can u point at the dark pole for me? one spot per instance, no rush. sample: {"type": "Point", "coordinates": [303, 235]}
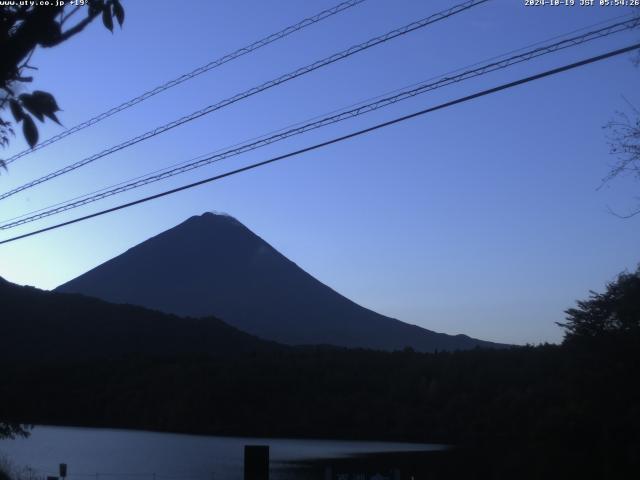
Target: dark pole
{"type": "Point", "coordinates": [256, 462]}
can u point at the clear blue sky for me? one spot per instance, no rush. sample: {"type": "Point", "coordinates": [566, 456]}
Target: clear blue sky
{"type": "Point", "coordinates": [481, 219]}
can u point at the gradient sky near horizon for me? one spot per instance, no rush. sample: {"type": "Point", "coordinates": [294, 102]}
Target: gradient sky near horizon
{"type": "Point", "coordinates": [483, 219]}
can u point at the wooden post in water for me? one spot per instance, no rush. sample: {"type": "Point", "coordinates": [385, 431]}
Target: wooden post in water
{"type": "Point", "coordinates": [328, 473]}
{"type": "Point", "coordinates": [256, 462]}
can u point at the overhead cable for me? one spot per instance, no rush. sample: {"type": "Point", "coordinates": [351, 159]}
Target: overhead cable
{"type": "Point", "coordinates": [192, 74]}
{"type": "Point", "coordinates": [322, 122]}
{"type": "Point", "coordinates": [252, 91]}
{"type": "Point", "coordinates": [342, 138]}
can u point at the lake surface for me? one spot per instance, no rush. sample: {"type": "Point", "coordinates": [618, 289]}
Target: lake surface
{"type": "Point", "coordinates": [105, 454]}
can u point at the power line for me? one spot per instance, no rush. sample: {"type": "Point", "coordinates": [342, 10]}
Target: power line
{"type": "Point", "coordinates": [194, 73]}
{"type": "Point", "coordinates": [361, 102]}
{"type": "Point", "coordinates": [322, 122]}
{"type": "Point", "coordinates": [378, 126]}
{"type": "Point", "coordinates": [252, 91]}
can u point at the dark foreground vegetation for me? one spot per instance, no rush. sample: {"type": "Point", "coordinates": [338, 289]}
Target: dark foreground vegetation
{"type": "Point", "coordinates": [538, 412]}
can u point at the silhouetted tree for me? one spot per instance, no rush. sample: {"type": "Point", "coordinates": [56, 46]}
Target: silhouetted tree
{"type": "Point", "coordinates": [624, 142]}
{"type": "Point", "coordinates": [13, 430]}
{"type": "Point", "coordinates": [23, 28]}
{"type": "Point", "coordinates": [616, 311]}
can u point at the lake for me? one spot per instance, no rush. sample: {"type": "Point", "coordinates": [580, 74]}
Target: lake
{"type": "Point", "coordinates": [106, 454]}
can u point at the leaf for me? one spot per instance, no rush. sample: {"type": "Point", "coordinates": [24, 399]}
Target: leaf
{"type": "Point", "coordinates": [47, 104]}
{"type": "Point", "coordinates": [118, 12]}
{"type": "Point", "coordinates": [41, 104]}
{"type": "Point", "coordinates": [106, 18]}
{"type": "Point", "coordinates": [49, 32]}
{"type": "Point", "coordinates": [32, 105]}
{"type": "Point", "coordinates": [95, 7]}
{"type": "Point", "coordinates": [47, 100]}
{"type": "Point", "coordinates": [16, 110]}
{"type": "Point", "coordinates": [30, 131]}
{"type": "Point", "coordinates": [53, 117]}
{"type": "Point", "coordinates": [4, 165]}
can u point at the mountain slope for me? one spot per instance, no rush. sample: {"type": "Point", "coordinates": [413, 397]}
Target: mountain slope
{"type": "Point", "coordinates": [37, 325]}
{"type": "Point", "coordinates": [213, 265]}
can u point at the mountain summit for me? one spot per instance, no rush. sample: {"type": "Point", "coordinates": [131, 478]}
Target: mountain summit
{"type": "Point", "coordinates": [213, 265]}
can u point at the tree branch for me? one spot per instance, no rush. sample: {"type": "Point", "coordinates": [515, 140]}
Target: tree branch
{"type": "Point", "coordinates": [77, 28]}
